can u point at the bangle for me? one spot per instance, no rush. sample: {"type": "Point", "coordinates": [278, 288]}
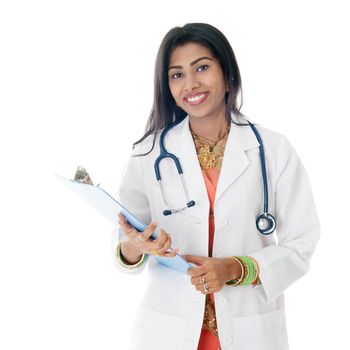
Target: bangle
{"type": "Point", "coordinates": [256, 265]}
{"type": "Point", "coordinates": [246, 269]}
{"type": "Point", "coordinates": [126, 264]}
{"type": "Point", "coordinates": [238, 280]}
{"type": "Point", "coordinates": [251, 270]}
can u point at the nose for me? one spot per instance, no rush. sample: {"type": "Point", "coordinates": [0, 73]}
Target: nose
{"type": "Point", "coordinates": [191, 82]}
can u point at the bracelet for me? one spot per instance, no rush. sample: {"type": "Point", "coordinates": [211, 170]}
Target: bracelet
{"type": "Point", "coordinates": [250, 272]}
{"type": "Point", "coordinates": [124, 263]}
{"type": "Point", "coordinates": [256, 279]}
{"type": "Point", "coordinates": [238, 280]}
{"type": "Point", "coordinates": [246, 269]}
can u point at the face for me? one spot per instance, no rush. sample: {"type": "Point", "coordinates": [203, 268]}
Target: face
{"type": "Point", "coordinates": [196, 81]}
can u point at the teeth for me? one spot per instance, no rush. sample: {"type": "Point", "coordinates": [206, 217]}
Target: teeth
{"type": "Point", "coordinates": [196, 98]}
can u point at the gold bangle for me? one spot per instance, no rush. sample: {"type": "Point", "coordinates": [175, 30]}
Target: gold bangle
{"type": "Point", "coordinates": [237, 281]}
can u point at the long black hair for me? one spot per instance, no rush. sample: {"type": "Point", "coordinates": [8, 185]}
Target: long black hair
{"type": "Point", "coordinates": [164, 110]}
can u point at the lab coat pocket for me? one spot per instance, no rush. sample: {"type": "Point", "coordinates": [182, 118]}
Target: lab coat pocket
{"type": "Point", "coordinates": [264, 331]}
{"type": "Point", "coordinates": [154, 330]}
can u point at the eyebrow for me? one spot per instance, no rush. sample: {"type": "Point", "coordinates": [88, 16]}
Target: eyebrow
{"type": "Point", "coordinates": [193, 63]}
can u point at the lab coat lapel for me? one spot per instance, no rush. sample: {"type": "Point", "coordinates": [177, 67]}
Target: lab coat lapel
{"type": "Point", "coordinates": [235, 161]}
{"type": "Point", "coordinates": [179, 142]}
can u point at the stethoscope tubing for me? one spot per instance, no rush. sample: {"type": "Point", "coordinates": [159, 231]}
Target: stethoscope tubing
{"type": "Point", "coordinates": [263, 167]}
{"type": "Point", "coordinates": [265, 223]}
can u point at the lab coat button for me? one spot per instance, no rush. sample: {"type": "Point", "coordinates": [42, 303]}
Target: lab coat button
{"type": "Point", "coordinates": [224, 300]}
{"type": "Point", "coordinates": [229, 340]}
{"type": "Point", "coordinates": [223, 222]}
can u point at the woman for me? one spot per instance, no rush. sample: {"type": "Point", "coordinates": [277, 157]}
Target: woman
{"type": "Point", "coordinates": [233, 296]}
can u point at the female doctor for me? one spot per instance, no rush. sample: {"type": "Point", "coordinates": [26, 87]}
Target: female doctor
{"type": "Point", "coordinates": [240, 209]}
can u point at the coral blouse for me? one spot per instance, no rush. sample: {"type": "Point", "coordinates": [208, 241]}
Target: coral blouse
{"type": "Point", "coordinates": [209, 338]}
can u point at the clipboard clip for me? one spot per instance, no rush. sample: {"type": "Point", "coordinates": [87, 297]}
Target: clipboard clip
{"type": "Point", "coordinates": [81, 175]}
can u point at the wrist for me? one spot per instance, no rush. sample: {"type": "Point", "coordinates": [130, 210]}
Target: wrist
{"type": "Point", "coordinates": [234, 269]}
{"type": "Point", "coordinates": [122, 261]}
{"type": "Point", "coordinates": [129, 254]}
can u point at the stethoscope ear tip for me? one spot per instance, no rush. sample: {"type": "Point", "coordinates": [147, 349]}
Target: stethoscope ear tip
{"type": "Point", "coordinates": [167, 212]}
{"type": "Point", "coordinates": [191, 204]}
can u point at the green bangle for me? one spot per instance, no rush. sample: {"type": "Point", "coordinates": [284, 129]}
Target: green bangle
{"type": "Point", "coordinates": [251, 270]}
{"type": "Point", "coordinates": [246, 271]}
{"type": "Point", "coordinates": [126, 264]}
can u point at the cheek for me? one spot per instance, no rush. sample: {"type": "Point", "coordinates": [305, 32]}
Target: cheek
{"type": "Point", "coordinates": [174, 90]}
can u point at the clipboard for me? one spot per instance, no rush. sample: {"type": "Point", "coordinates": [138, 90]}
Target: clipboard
{"type": "Point", "coordinates": [109, 207]}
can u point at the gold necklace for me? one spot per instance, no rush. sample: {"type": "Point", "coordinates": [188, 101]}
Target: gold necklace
{"type": "Point", "coordinates": [209, 154]}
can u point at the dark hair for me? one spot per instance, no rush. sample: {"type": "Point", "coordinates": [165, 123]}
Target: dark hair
{"type": "Point", "coordinates": [164, 110]}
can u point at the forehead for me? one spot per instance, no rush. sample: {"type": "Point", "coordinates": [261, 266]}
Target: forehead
{"type": "Point", "coordinates": [187, 53]}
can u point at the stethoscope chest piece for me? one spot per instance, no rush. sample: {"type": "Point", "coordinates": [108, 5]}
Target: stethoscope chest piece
{"type": "Point", "coordinates": [266, 223]}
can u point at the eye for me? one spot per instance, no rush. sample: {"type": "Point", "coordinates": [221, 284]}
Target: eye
{"type": "Point", "coordinates": [175, 76]}
{"type": "Point", "coordinates": [205, 67]}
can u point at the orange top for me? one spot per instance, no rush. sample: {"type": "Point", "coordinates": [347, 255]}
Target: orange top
{"type": "Point", "coordinates": [209, 339]}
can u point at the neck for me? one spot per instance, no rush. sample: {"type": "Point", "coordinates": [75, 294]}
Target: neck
{"type": "Point", "coordinates": [209, 128]}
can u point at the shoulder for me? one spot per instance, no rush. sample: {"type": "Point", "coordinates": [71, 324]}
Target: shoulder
{"type": "Point", "coordinates": [145, 145]}
{"type": "Point", "coordinates": [279, 150]}
{"type": "Point", "coordinates": [275, 141]}
{"type": "Point", "coordinates": [152, 140]}
{"type": "Point", "coordinates": [270, 137]}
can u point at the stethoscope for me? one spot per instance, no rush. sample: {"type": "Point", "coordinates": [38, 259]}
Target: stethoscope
{"type": "Point", "coordinates": [265, 223]}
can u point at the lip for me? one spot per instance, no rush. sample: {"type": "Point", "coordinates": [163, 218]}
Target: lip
{"type": "Point", "coordinates": [196, 102]}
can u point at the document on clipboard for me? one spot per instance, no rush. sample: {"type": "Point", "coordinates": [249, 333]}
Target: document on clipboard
{"type": "Point", "coordinates": [109, 207]}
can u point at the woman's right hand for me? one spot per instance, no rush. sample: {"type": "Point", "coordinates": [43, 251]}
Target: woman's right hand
{"type": "Point", "coordinates": [141, 241]}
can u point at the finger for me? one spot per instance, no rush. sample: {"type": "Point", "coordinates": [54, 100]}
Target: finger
{"type": "Point", "coordinates": [126, 227]}
{"type": "Point", "coordinates": [121, 217]}
{"type": "Point", "coordinates": [166, 246]}
{"type": "Point", "coordinates": [197, 280]}
{"type": "Point", "coordinates": [172, 253]}
{"type": "Point", "coordinates": [196, 271]}
{"type": "Point", "coordinates": [158, 243]}
{"type": "Point", "coordinates": [198, 260]}
{"type": "Point", "coordinates": [161, 239]}
{"type": "Point", "coordinates": [148, 231]}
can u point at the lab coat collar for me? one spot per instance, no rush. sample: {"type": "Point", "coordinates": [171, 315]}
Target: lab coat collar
{"type": "Point", "coordinates": [235, 161]}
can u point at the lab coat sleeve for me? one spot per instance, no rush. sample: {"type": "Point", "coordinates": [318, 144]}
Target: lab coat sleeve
{"type": "Point", "coordinates": [297, 229]}
{"type": "Point", "coordinates": [132, 195]}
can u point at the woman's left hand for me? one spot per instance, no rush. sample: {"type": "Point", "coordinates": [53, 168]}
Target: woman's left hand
{"type": "Point", "coordinates": [215, 271]}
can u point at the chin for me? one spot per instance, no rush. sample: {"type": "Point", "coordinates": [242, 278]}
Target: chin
{"type": "Point", "coordinates": [198, 114]}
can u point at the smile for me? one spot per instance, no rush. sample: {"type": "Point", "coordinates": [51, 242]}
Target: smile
{"type": "Point", "coordinates": [196, 100]}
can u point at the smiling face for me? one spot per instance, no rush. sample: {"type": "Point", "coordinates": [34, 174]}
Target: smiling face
{"type": "Point", "coordinates": [196, 81]}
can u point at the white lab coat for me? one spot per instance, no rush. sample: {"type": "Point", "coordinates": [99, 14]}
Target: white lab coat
{"type": "Point", "coordinates": [171, 313]}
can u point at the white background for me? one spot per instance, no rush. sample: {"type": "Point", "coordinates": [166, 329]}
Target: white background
{"type": "Point", "coordinates": [76, 87]}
